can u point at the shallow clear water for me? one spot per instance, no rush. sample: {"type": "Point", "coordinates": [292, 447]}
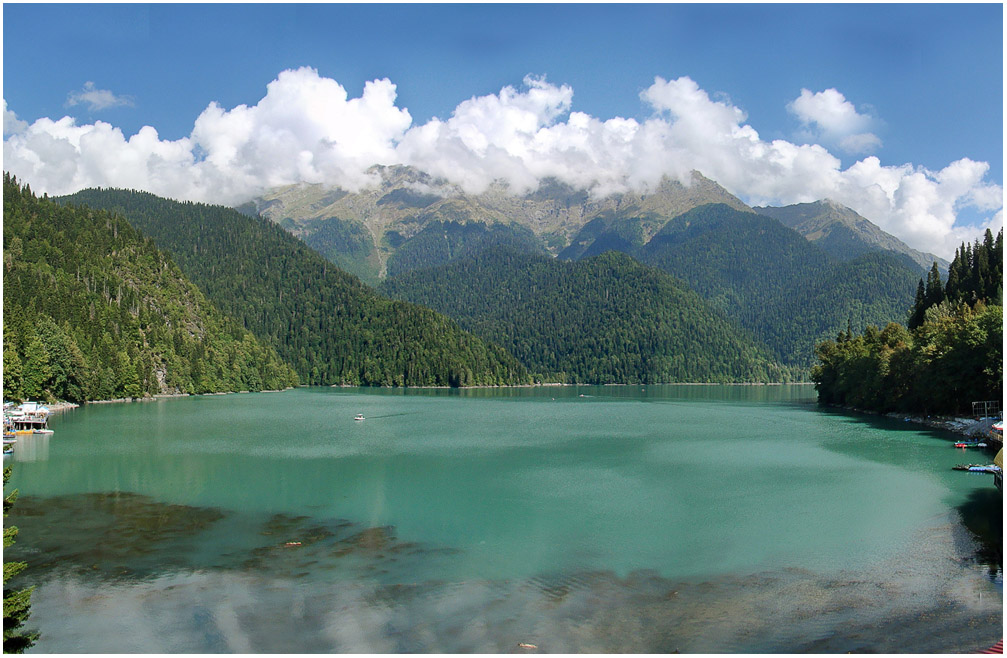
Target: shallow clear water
{"type": "Point", "coordinates": [577, 519]}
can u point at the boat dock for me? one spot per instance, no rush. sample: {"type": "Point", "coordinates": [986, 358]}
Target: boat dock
{"type": "Point", "coordinates": [26, 418]}
{"type": "Point", "coordinates": [23, 419]}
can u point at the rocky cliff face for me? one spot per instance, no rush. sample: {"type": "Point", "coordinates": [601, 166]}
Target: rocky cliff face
{"type": "Point", "coordinates": [406, 202]}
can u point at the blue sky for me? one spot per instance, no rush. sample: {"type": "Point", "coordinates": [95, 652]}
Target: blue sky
{"type": "Point", "coordinates": [921, 84]}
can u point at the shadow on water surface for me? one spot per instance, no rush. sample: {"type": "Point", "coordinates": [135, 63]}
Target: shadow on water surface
{"type": "Point", "coordinates": [982, 514]}
{"type": "Point", "coordinates": [887, 423]}
{"type": "Point", "coordinates": [982, 510]}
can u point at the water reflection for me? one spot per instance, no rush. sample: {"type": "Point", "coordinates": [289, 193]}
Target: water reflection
{"type": "Point", "coordinates": [173, 578]}
{"type": "Point", "coordinates": [694, 392]}
{"type": "Point", "coordinates": [31, 448]}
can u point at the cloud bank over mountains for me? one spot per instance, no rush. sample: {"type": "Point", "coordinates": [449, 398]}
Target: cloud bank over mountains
{"type": "Point", "coordinates": [307, 129]}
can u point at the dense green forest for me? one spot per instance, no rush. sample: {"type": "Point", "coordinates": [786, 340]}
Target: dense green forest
{"type": "Point", "coordinates": [441, 242]}
{"type": "Point", "coordinates": [93, 310]}
{"type": "Point", "coordinates": [600, 320]}
{"type": "Point", "coordinates": [870, 290]}
{"type": "Point", "coordinates": [347, 244]}
{"type": "Point", "coordinates": [770, 280]}
{"type": "Point", "coordinates": [322, 321]}
{"type": "Point", "coordinates": [951, 356]}
{"type": "Point", "coordinates": [763, 282]}
{"type": "Point", "coordinates": [765, 277]}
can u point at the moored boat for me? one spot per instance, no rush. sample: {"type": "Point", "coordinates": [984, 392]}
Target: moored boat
{"type": "Point", "coordinates": [977, 468]}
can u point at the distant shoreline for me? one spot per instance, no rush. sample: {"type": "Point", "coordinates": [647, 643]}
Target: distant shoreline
{"type": "Point", "coordinates": [562, 384]}
{"type": "Point", "coordinates": [65, 406]}
{"type": "Point", "coordinates": [968, 427]}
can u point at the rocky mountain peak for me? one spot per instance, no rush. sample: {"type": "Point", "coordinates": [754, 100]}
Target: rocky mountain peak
{"type": "Point", "coordinates": [843, 232]}
{"type": "Point", "coordinates": [376, 223]}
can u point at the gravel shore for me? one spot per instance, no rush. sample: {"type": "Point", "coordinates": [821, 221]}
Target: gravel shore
{"type": "Point", "coordinates": [968, 427]}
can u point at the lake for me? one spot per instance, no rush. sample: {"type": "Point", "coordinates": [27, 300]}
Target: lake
{"type": "Point", "coordinates": [652, 519]}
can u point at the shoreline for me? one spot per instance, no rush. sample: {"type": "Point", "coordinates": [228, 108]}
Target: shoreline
{"type": "Point", "coordinates": [962, 426]}
{"type": "Point", "coordinates": [59, 407]}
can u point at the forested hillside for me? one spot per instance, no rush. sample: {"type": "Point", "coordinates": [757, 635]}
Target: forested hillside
{"type": "Point", "coordinates": [601, 320]}
{"type": "Point", "coordinates": [771, 281]}
{"type": "Point", "coordinates": [441, 242]}
{"type": "Point", "coordinates": [751, 267]}
{"type": "Point", "coordinates": [952, 354]}
{"type": "Point", "coordinates": [324, 322]}
{"type": "Point", "coordinates": [869, 290]}
{"type": "Point", "coordinates": [347, 244]}
{"type": "Point", "coordinates": [93, 310]}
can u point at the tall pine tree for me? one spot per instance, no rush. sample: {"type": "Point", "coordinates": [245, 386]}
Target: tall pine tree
{"type": "Point", "coordinates": [16, 602]}
{"type": "Point", "coordinates": [919, 308]}
{"type": "Point", "coordinates": [935, 290]}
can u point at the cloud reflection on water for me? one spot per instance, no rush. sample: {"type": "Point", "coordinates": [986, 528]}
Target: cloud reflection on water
{"type": "Point", "coordinates": [171, 578]}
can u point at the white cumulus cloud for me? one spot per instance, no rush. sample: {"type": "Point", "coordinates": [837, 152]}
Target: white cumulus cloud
{"type": "Point", "coordinates": [497, 137]}
{"type": "Point", "coordinates": [307, 128]}
{"type": "Point", "coordinates": [96, 99]}
{"type": "Point", "coordinates": [828, 115]}
{"type": "Point", "coordinates": [11, 124]}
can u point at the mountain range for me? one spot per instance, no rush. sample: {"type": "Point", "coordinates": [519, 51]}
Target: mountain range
{"type": "Point", "coordinates": [603, 319]}
{"type": "Point", "coordinates": [750, 267]}
{"type": "Point", "coordinates": [411, 220]}
{"type": "Point", "coordinates": [684, 283]}
{"type": "Point", "coordinates": [377, 232]}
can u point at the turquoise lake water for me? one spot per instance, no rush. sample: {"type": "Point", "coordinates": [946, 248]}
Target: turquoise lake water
{"type": "Point", "coordinates": [577, 519]}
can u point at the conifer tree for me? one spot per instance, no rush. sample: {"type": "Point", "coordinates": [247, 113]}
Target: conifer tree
{"type": "Point", "coordinates": [935, 290]}
{"type": "Point", "coordinates": [91, 308]}
{"type": "Point", "coordinates": [953, 287]}
{"type": "Point", "coordinates": [916, 317]}
{"type": "Point", "coordinates": [16, 602]}
{"type": "Point", "coordinates": [981, 275]}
